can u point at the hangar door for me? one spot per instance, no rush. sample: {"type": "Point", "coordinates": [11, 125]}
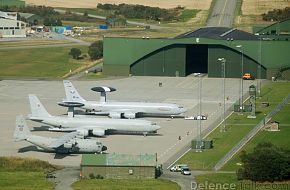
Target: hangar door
{"type": "Point", "coordinates": [196, 59]}
{"type": "Point", "coordinates": [167, 61]}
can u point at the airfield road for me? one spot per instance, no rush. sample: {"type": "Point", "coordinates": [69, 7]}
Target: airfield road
{"type": "Point", "coordinates": [222, 14]}
{"type": "Point", "coordinates": [181, 90]}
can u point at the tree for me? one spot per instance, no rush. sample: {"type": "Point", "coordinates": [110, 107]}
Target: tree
{"type": "Point", "coordinates": [75, 53]}
{"type": "Point", "coordinates": [266, 163]}
{"type": "Point", "coordinates": [96, 50]}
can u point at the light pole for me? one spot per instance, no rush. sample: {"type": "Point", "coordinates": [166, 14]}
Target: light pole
{"type": "Point", "coordinates": [199, 140]}
{"type": "Point", "coordinates": [259, 68]}
{"type": "Point", "coordinates": [223, 71]}
{"type": "Point", "coordinates": [241, 78]}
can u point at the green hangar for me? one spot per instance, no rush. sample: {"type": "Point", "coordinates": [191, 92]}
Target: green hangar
{"type": "Point", "coordinates": [198, 52]}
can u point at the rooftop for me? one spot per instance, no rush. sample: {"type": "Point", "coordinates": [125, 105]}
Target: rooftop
{"type": "Point", "coordinates": [219, 33]}
{"type": "Point", "coordinates": [115, 159]}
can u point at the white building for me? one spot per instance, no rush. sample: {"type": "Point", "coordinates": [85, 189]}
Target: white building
{"type": "Point", "coordinates": [10, 26]}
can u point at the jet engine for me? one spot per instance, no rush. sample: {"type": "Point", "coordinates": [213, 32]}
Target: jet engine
{"type": "Point", "coordinates": [115, 115]}
{"type": "Point", "coordinates": [98, 132]}
{"type": "Point", "coordinates": [83, 133]}
{"type": "Point", "coordinates": [129, 115]}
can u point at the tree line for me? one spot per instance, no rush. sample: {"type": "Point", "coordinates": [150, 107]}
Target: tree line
{"type": "Point", "coordinates": [277, 14]}
{"type": "Point", "coordinates": [140, 11]}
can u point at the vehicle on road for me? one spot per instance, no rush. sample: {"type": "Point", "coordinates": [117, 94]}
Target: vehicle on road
{"type": "Point", "coordinates": [198, 117]}
{"type": "Point", "coordinates": [177, 167]}
{"type": "Point", "coordinates": [185, 171]}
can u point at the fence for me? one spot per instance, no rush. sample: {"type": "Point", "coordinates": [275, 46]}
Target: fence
{"type": "Point", "coordinates": [251, 134]}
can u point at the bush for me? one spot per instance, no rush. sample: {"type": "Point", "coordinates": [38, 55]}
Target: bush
{"type": "Point", "coordinates": [75, 53]}
{"type": "Point", "coordinates": [277, 14]}
{"type": "Point", "coordinates": [96, 50]}
{"type": "Point", "coordinates": [266, 163]}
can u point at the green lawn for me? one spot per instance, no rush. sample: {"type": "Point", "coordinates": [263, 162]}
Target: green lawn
{"type": "Point", "coordinates": [43, 63]}
{"type": "Point", "coordinates": [24, 180]}
{"type": "Point", "coordinates": [24, 174]}
{"type": "Point", "coordinates": [91, 11]}
{"type": "Point", "coordinates": [227, 180]}
{"type": "Point", "coordinates": [188, 14]}
{"type": "Point", "coordinates": [280, 139]}
{"type": "Point", "coordinates": [81, 24]}
{"type": "Point", "coordinates": [237, 127]}
{"type": "Point", "coordinates": [110, 184]}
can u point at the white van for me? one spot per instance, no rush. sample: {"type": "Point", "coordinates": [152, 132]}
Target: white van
{"type": "Point", "coordinates": [177, 167]}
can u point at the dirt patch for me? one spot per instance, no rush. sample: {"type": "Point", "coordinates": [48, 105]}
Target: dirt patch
{"type": "Point", "coordinates": [191, 4]}
{"type": "Point", "coordinates": [257, 7]}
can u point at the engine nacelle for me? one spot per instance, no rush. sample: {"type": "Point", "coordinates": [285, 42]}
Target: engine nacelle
{"type": "Point", "coordinates": [68, 145]}
{"type": "Point", "coordinates": [129, 115]}
{"type": "Point", "coordinates": [83, 133]}
{"type": "Point", "coordinates": [98, 132]}
{"type": "Point", "coordinates": [115, 115]}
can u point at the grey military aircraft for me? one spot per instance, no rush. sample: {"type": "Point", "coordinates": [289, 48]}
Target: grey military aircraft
{"type": "Point", "coordinates": [87, 124]}
{"type": "Point", "coordinates": [69, 143]}
{"type": "Point", "coordinates": [120, 109]}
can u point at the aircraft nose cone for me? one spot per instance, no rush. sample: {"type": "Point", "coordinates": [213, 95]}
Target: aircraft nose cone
{"type": "Point", "coordinates": [104, 148]}
{"type": "Point", "coordinates": [156, 127]}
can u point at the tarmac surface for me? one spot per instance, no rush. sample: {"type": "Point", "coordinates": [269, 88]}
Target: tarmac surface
{"type": "Point", "coordinates": [181, 90]}
{"type": "Point", "coordinates": [223, 14]}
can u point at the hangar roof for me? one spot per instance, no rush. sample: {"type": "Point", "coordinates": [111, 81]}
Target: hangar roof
{"type": "Point", "coordinates": [219, 33]}
{"type": "Point", "coordinates": [115, 159]}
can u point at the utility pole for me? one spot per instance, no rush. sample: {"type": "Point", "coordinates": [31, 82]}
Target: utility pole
{"type": "Point", "coordinates": [223, 74]}
{"type": "Point", "coordinates": [199, 140]}
{"type": "Point", "coordinates": [241, 79]}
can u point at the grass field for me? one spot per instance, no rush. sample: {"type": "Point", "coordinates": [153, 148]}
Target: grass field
{"type": "Point", "coordinates": [31, 43]}
{"type": "Point", "coordinates": [280, 139]}
{"type": "Point", "coordinates": [190, 4]}
{"type": "Point", "coordinates": [251, 10]}
{"type": "Point", "coordinates": [43, 63]}
{"type": "Point", "coordinates": [24, 174]}
{"type": "Point", "coordinates": [237, 126]}
{"type": "Point", "coordinates": [81, 24]}
{"type": "Point", "coordinates": [110, 184]}
{"type": "Point", "coordinates": [229, 179]}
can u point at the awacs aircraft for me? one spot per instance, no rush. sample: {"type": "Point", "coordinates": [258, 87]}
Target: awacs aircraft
{"type": "Point", "coordinates": [88, 125]}
{"type": "Point", "coordinates": [120, 109]}
{"type": "Point", "coordinates": [69, 143]}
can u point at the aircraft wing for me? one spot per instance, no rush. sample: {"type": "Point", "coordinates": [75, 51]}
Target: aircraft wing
{"type": "Point", "coordinates": [60, 141]}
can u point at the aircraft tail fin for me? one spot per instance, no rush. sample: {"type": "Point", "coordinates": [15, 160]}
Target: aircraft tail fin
{"type": "Point", "coordinates": [22, 131]}
{"type": "Point", "coordinates": [71, 93]}
{"type": "Point", "coordinates": [37, 109]}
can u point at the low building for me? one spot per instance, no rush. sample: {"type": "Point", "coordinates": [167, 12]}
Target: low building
{"type": "Point", "coordinates": [10, 26]}
{"type": "Point", "coordinates": [119, 166]}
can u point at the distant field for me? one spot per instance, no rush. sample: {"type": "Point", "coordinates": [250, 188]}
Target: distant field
{"type": "Point", "coordinates": [251, 11]}
{"type": "Point", "coordinates": [44, 63]}
{"type": "Point", "coordinates": [133, 184]}
{"type": "Point", "coordinates": [257, 7]}
{"type": "Point", "coordinates": [31, 43]}
{"type": "Point", "coordinates": [190, 4]}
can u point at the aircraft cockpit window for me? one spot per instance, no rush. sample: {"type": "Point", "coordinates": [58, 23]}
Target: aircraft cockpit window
{"type": "Point", "coordinates": [153, 123]}
{"type": "Point", "coordinates": [180, 107]}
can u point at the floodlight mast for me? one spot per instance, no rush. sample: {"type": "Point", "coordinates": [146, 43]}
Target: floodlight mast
{"type": "Point", "coordinates": [241, 79]}
{"type": "Point", "coordinates": [223, 74]}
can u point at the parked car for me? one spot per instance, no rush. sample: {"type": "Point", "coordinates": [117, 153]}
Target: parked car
{"type": "Point", "coordinates": [185, 171]}
{"type": "Point", "coordinates": [177, 168]}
